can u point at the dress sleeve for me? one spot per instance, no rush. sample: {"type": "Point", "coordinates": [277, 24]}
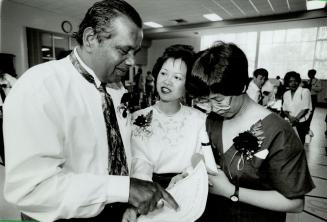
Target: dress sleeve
{"type": "Point", "coordinates": [288, 170]}
{"type": "Point", "coordinates": [142, 166]}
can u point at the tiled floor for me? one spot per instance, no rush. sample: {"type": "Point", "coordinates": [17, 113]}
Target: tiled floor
{"type": "Point", "coordinates": [315, 201]}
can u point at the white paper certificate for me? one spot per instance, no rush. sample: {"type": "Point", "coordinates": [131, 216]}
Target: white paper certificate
{"type": "Point", "coordinates": [191, 195]}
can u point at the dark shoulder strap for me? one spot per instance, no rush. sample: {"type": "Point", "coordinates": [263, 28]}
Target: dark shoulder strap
{"type": "Point", "coordinates": [214, 125]}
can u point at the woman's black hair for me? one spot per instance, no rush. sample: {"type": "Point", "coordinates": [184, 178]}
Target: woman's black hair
{"type": "Point", "coordinates": [290, 74]}
{"type": "Point", "coordinates": [222, 68]}
{"type": "Point", "coordinates": [178, 51]}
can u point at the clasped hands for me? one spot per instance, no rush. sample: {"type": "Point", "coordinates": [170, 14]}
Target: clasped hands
{"type": "Point", "coordinates": [146, 196]}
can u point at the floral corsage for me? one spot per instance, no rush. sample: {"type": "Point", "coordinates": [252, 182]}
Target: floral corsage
{"type": "Point", "coordinates": [248, 144]}
{"type": "Point", "coordinates": [143, 125]}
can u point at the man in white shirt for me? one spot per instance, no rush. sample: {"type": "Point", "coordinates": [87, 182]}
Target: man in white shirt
{"type": "Point", "coordinates": [56, 134]}
{"type": "Point", "coordinates": [6, 82]}
{"type": "Point", "coordinates": [260, 76]}
{"type": "Point", "coordinates": [315, 88]}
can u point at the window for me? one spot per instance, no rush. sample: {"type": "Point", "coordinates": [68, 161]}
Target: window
{"type": "Point", "coordinates": [282, 50]}
{"type": "Point", "coordinates": [44, 46]}
{"type": "Point", "coordinates": [320, 59]}
{"type": "Point", "coordinates": [286, 50]}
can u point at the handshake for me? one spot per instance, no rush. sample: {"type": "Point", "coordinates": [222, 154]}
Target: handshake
{"type": "Point", "coordinates": [147, 196]}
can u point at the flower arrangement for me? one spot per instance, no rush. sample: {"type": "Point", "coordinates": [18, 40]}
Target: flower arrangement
{"type": "Point", "coordinates": [248, 145]}
{"type": "Point", "coordinates": [249, 142]}
{"type": "Point", "coordinates": [143, 124]}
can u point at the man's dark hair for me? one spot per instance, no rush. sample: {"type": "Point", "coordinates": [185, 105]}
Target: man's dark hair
{"type": "Point", "coordinates": [262, 72]}
{"type": "Point", "coordinates": [223, 69]}
{"type": "Point", "coordinates": [102, 13]}
{"type": "Point", "coordinates": [312, 73]}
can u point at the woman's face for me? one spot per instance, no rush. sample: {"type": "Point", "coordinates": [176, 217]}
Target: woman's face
{"type": "Point", "coordinates": [293, 84]}
{"type": "Point", "coordinates": [171, 80]}
{"type": "Point", "coordinates": [226, 106]}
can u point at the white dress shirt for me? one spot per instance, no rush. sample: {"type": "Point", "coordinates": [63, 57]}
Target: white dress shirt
{"type": "Point", "coordinates": [253, 91]}
{"type": "Point", "coordinates": [301, 100]}
{"type": "Point", "coordinates": [56, 145]}
{"type": "Point", "coordinates": [168, 143]}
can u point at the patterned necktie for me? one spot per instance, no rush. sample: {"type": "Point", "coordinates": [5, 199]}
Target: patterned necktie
{"type": "Point", "coordinates": [2, 94]}
{"type": "Point", "coordinates": [260, 98]}
{"type": "Point", "coordinates": [117, 164]}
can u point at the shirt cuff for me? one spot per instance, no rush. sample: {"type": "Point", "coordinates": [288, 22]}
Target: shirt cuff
{"type": "Point", "coordinates": [118, 189]}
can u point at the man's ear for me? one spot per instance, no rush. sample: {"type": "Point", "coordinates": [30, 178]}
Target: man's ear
{"type": "Point", "coordinates": [89, 39]}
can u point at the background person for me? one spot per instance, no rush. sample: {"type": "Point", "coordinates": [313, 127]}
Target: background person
{"type": "Point", "coordinates": [297, 104]}
{"type": "Point", "coordinates": [260, 76]}
{"type": "Point", "coordinates": [67, 145]}
{"type": "Point", "coordinates": [6, 83]}
{"type": "Point", "coordinates": [315, 87]}
{"type": "Point", "coordinates": [264, 171]}
{"type": "Point", "coordinates": [149, 87]}
{"type": "Point", "coordinates": [141, 87]}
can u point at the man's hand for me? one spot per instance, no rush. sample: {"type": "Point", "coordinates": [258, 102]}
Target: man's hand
{"type": "Point", "coordinates": [130, 215]}
{"type": "Point", "coordinates": [176, 178]}
{"type": "Point", "coordinates": [144, 195]}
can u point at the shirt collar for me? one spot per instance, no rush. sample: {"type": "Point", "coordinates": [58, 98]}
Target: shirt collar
{"type": "Point", "coordinates": [115, 85]}
{"type": "Point", "coordinates": [88, 69]}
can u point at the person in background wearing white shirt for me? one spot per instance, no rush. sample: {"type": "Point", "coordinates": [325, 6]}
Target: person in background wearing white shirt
{"type": "Point", "coordinates": [260, 76]}
{"type": "Point", "coordinates": [297, 104]}
{"type": "Point", "coordinates": [315, 88]}
{"type": "Point", "coordinates": [64, 157]}
{"type": "Point", "coordinates": [6, 83]}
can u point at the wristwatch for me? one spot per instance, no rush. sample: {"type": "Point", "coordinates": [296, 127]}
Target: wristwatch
{"type": "Point", "coordinates": [234, 196]}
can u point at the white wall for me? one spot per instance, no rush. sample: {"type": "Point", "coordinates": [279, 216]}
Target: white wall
{"type": "Point", "coordinates": [158, 47]}
{"type": "Point", "coordinates": [1, 1]}
{"type": "Point", "coordinates": [15, 18]}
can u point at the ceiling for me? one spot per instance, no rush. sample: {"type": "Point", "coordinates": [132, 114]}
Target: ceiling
{"type": "Point", "coordinates": [166, 12]}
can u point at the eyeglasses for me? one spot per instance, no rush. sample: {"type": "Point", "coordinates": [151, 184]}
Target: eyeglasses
{"type": "Point", "coordinates": [213, 103]}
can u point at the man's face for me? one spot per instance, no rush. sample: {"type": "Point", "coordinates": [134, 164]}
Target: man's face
{"type": "Point", "coordinates": [112, 57]}
{"type": "Point", "coordinates": [259, 80]}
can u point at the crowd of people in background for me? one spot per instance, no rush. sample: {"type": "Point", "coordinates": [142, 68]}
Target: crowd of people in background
{"type": "Point", "coordinates": [274, 94]}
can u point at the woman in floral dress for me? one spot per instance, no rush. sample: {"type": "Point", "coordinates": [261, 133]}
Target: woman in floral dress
{"type": "Point", "coordinates": [263, 168]}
